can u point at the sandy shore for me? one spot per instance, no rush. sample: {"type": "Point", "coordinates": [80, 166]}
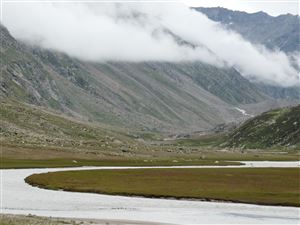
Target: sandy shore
{"type": "Point", "coordinates": [8, 219]}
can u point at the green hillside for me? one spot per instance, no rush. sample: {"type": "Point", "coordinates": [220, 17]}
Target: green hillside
{"type": "Point", "coordinates": [276, 128]}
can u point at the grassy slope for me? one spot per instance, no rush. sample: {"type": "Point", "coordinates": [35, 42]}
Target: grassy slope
{"type": "Point", "coordinates": [255, 185]}
{"type": "Point", "coordinates": [32, 137]}
{"type": "Point", "coordinates": [211, 141]}
{"type": "Point", "coordinates": [26, 125]}
{"type": "Point", "coordinates": [280, 127]}
{"type": "Point", "coordinates": [44, 139]}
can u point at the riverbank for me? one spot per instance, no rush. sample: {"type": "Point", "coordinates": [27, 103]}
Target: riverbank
{"type": "Point", "coordinates": [21, 198]}
{"type": "Point", "coordinates": [263, 186]}
{"type": "Point", "coordinates": [9, 219]}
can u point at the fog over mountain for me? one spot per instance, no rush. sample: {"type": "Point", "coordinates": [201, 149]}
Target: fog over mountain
{"type": "Point", "coordinates": [275, 32]}
{"type": "Point", "coordinates": [144, 32]}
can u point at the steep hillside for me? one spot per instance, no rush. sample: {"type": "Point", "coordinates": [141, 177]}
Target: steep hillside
{"type": "Point", "coordinates": [280, 92]}
{"type": "Point", "coordinates": [281, 32]}
{"type": "Point", "coordinates": [25, 125]}
{"type": "Point", "coordinates": [280, 127]}
{"type": "Point", "coordinates": [152, 96]}
{"type": "Point", "coordinates": [274, 32]}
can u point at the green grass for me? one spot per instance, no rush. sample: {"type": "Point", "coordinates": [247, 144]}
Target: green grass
{"type": "Point", "coordinates": [279, 128]}
{"type": "Point", "coordinates": [208, 141]}
{"type": "Point", "coordinates": [14, 156]}
{"type": "Point", "coordinates": [8, 163]}
{"type": "Point", "coordinates": [270, 186]}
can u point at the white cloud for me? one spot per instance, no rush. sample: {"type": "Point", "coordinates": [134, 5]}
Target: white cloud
{"type": "Point", "coordinates": [143, 32]}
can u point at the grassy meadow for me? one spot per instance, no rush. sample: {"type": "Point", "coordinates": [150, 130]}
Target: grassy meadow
{"type": "Point", "coordinates": [269, 186]}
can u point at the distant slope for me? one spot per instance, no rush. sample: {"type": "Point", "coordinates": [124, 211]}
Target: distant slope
{"type": "Point", "coordinates": [280, 92]}
{"type": "Point", "coordinates": [274, 32]}
{"type": "Point", "coordinates": [280, 127]}
{"type": "Point", "coordinates": [25, 125]}
{"type": "Point", "coordinates": [281, 32]}
{"type": "Point", "coordinates": [152, 96]}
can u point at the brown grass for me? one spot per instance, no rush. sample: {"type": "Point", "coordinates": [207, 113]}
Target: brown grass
{"type": "Point", "coordinates": [271, 186]}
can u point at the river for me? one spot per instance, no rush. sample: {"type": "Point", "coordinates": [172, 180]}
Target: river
{"type": "Point", "coordinates": [17, 197]}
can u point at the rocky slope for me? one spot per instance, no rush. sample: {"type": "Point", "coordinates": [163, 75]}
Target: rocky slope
{"type": "Point", "coordinates": [154, 96]}
{"type": "Point", "coordinates": [260, 28]}
{"type": "Point", "coordinates": [25, 125]}
{"type": "Point", "coordinates": [280, 127]}
{"type": "Point", "coordinates": [281, 32]}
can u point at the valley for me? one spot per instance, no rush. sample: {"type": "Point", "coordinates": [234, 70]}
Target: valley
{"type": "Point", "coordinates": [148, 115]}
{"type": "Point", "coordinates": [33, 137]}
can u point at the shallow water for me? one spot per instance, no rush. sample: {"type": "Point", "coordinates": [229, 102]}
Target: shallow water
{"type": "Point", "coordinates": [21, 198]}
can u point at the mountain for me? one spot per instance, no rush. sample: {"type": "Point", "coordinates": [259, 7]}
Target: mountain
{"type": "Point", "coordinates": [291, 93]}
{"type": "Point", "coordinates": [279, 127]}
{"type": "Point", "coordinates": [280, 32]}
{"type": "Point", "coordinates": [155, 96]}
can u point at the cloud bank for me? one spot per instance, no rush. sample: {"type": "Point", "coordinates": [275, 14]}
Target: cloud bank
{"type": "Point", "coordinates": [144, 32]}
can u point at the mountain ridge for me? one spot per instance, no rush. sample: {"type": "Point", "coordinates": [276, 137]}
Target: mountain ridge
{"type": "Point", "coordinates": [152, 96]}
{"type": "Point", "coordinates": [280, 32]}
{"type": "Point", "coordinates": [274, 33]}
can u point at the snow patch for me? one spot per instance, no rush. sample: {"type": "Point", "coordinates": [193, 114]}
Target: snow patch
{"type": "Point", "coordinates": [243, 112]}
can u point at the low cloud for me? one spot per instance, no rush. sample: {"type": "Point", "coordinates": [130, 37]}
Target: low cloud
{"type": "Point", "coordinates": [144, 32]}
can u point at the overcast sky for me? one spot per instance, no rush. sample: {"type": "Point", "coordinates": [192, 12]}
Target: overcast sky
{"type": "Point", "coordinates": [272, 7]}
